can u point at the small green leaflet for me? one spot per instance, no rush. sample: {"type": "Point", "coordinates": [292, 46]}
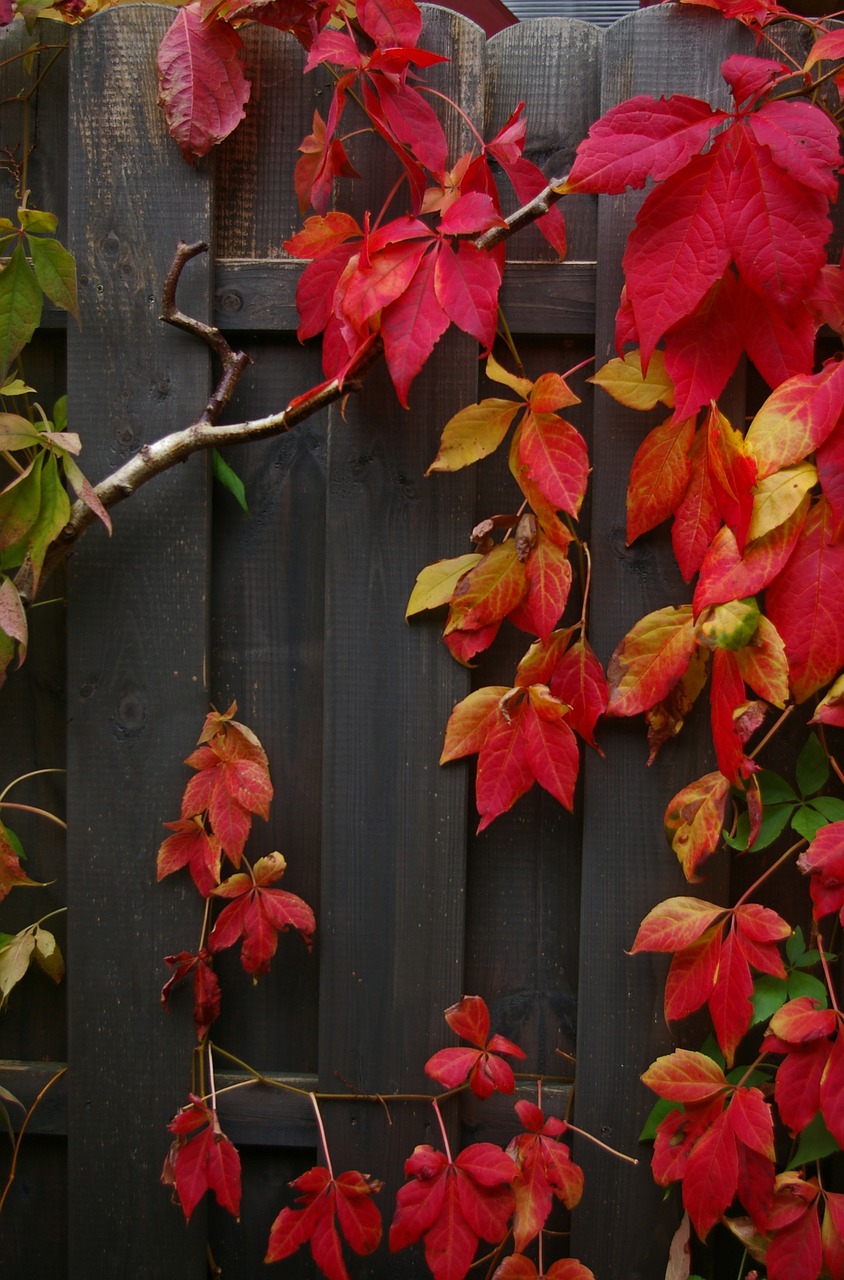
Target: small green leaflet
{"type": "Point", "coordinates": [228, 478]}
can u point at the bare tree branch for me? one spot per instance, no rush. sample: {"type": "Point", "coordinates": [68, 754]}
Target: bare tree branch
{"type": "Point", "coordinates": [205, 432]}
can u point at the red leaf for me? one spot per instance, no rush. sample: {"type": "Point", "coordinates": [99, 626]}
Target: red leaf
{"type": "Point", "coordinates": [796, 418]}
{"type": "Point", "coordinates": [803, 603]}
{"type": "Point", "coordinates": [206, 987]}
{"type": "Point", "coordinates": [802, 140]}
{"type": "Point", "coordinates": [470, 722]}
{"type": "Point", "coordinates": [830, 463]}
{"type": "Point", "coordinates": [578, 680]}
{"type": "Point", "coordinates": [324, 1201]}
{"type": "Point", "coordinates": [467, 281]}
{"type": "Point", "coordinates": [798, 1084]}
{"type": "Point", "coordinates": [795, 1252]}
{"type": "Point", "coordinates": [677, 249]}
{"type": "Point", "coordinates": [765, 205]}
{"type": "Point", "coordinates": [685, 1076]}
{"type": "Point", "coordinates": [727, 696]}
{"type": "Point", "coordinates": [649, 660]}
{"type": "Point", "coordinates": [390, 23]}
{"type": "Point", "coordinates": [752, 1122]}
{"type": "Point", "coordinates": [548, 573]}
{"type": "Point", "coordinates": [557, 459]}
{"type": "Point", "coordinates": [192, 847]}
{"type": "Point", "coordinates": [489, 591]}
{"type": "Point", "coordinates": [729, 1003]}
{"type": "Point", "coordinates": [639, 139]}
{"type": "Point", "coordinates": [711, 1175]}
{"type": "Point", "coordinates": [832, 1090]}
{"type": "Point", "coordinates": [732, 469]}
{"type": "Point", "coordinates": [451, 1205]}
{"type": "Point", "coordinates": [659, 476]}
{"type": "Point", "coordinates": [727, 574]}
{"type": "Point", "coordinates": [692, 975]}
{"type": "Point", "coordinates": [802, 1021]}
{"type": "Point", "coordinates": [486, 1073]}
{"type": "Point", "coordinates": [702, 351]}
{"type": "Point", "coordinates": [258, 914]}
{"type": "Point", "coordinates": [823, 862]}
{"type": "Point", "coordinates": [697, 518]}
{"type": "Point", "coordinates": [202, 1159]}
{"type": "Point", "coordinates": [412, 325]}
{"type": "Point", "coordinates": [202, 87]}
{"type": "Point", "coordinates": [504, 772]}
{"type": "Point", "coordinates": [550, 746]}
{"type": "Point", "coordinates": [675, 924]}
{"type": "Point", "coordinates": [694, 820]}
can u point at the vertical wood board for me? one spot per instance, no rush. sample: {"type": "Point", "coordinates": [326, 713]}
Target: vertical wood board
{"type": "Point", "coordinates": [137, 654]}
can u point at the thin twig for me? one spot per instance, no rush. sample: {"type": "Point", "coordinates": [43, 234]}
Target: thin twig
{"type": "Point", "coordinates": [21, 1132]}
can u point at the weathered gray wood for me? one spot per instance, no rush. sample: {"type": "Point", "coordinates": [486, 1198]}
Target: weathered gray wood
{"type": "Point", "coordinates": [622, 1227]}
{"type": "Point", "coordinates": [138, 653]}
{"type": "Point", "coordinates": [393, 824]}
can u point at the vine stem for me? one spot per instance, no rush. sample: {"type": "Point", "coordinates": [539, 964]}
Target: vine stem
{"type": "Point", "coordinates": [775, 728]}
{"type": "Point", "coordinates": [768, 872]}
{"type": "Point", "coordinates": [22, 1130]}
{"type": "Point", "coordinates": [830, 986]}
{"type": "Point", "coordinates": [322, 1136]}
{"type": "Point", "coordinates": [598, 1143]}
{"type": "Point", "coordinates": [31, 808]}
{"type": "Point", "coordinates": [35, 773]}
{"type": "Point", "coordinates": [435, 1103]}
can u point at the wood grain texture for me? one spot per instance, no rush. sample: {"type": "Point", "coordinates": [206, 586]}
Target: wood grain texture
{"type": "Point", "coordinates": [622, 1227]}
{"type": "Point", "coordinates": [138, 654]}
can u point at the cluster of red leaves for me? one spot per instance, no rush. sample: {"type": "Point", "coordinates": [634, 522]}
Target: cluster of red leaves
{"type": "Point", "coordinates": [526, 734]}
{"type": "Point", "coordinates": [231, 784]}
{"type": "Point", "coordinates": [717, 1139]}
{"type": "Point", "coordinates": [709, 967]}
{"type": "Point", "coordinates": [481, 1066]}
{"type": "Point", "coordinates": [332, 1210]}
{"type": "Point", "coordinates": [201, 1158]}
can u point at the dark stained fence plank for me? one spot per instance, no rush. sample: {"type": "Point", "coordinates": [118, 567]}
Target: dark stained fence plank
{"type": "Point", "coordinates": [137, 654]}
{"type": "Point", "coordinates": [393, 824]}
{"type": "Point", "coordinates": [622, 1228]}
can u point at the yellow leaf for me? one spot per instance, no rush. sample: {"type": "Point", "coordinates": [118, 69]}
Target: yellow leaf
{"type": "Point", "coordinates": [778, 496]}
{"type": "Point", "coordinates": [622, 378]}
{"type": "Point", "coordinates": [435, 584]}
{"type": "Point", "coordinates": [474, 433]}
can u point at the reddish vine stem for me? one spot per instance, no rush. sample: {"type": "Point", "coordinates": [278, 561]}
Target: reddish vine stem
{"type": "Point", "coordinates": [322, 1136]}
{"type": "Point", "coordinates": [768, 872]}
{"type": "Point", "coordinates": [13, 1170]}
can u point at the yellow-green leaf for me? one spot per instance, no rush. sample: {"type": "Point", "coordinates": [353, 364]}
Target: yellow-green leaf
{"type": "Point", "coordinates": [729, 626]}
{"type": "Point", "coordinates": [16, 432]}
{"type": "Point", "coordinates": [14, 961]}
{"type": "Point", "coordinates": [38, 221]}
{"type": "Point", "coordinates": [778, 496]}
{"type": "Point", "coordinates": [435, 584]}
{"type": "Point", "coordinates": [55, 270]}
{"type": "Point", "coordinates": [622, 378]}
{"type": "Point", "coordinates": [474, 433]}
{"type": "Point", "coordinates": [47, 954]}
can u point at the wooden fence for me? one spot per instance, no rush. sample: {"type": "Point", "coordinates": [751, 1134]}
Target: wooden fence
{"type": "Point", "coordinates": [296, 611]}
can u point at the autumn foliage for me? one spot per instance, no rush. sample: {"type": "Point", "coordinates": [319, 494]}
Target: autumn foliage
{"type": "Point", "coordinates": [728, 258]}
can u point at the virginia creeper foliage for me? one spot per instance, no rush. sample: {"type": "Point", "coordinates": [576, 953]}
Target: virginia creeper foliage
{"type": "Point", "coordinates": [727, 258]}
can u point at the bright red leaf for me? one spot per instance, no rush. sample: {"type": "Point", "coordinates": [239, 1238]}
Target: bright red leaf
{"type": "Point", "coordinates": [481, 1066]}
{"type": "Point", "coordinates": [694, 820]}
{"type": "Point", "coordinates": [650, 660]}
{"type": "Point", "coordinates": [206, 987]}
{"type": "Point", "coordinates": [545, 1170]}
{"type": "Point", "coordinates": [257, 914]}
{"type": "Point", "coordinates": [451, 1205]}
{"type": "Point", "coordinates": [332, 1210]}
{"type": "Point", "coordinates": [201, 1158]}
{"type": "Point", "coordinates": [202, 87]}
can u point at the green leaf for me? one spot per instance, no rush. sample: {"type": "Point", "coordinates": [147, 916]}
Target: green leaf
{"type": "Point", "coordinates": [52, 517]}
{"type": "Point", "coordinates": [807, 822]}
{"type": "Point", "coordinates": [769, 995]}
{"type": "Point", "coordinates": [228, 478]}
{"type": "Point", "coordinates": [774, 789]}
{"type": "Point", "coordinates": [21, 302]}
{"type": "Point", "coordinates": [60, 414]}
{"type": "Point", "coordinates": [17, 433]}
{"type": "Point", "coordinates": [795, 946]}
{"type": "Point", "coordinates": [830, 807]}
{"type": "Point", "coordinates": [812, 767]}
{"type": "Point", "coordinates": [801, 983]}
{"type": "Point", "coordinates": [38, 221]}
{"type": "Point", "coordinates": [15, 387]}
{"type": "Point", "coordinates": [55, 270]}
{"type": "Point", "coordinates": [814, 1143]}
{"type": "Point", "coordinates": [20, 503]}
{"type": "Point", "coordinates": [774, 821]}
